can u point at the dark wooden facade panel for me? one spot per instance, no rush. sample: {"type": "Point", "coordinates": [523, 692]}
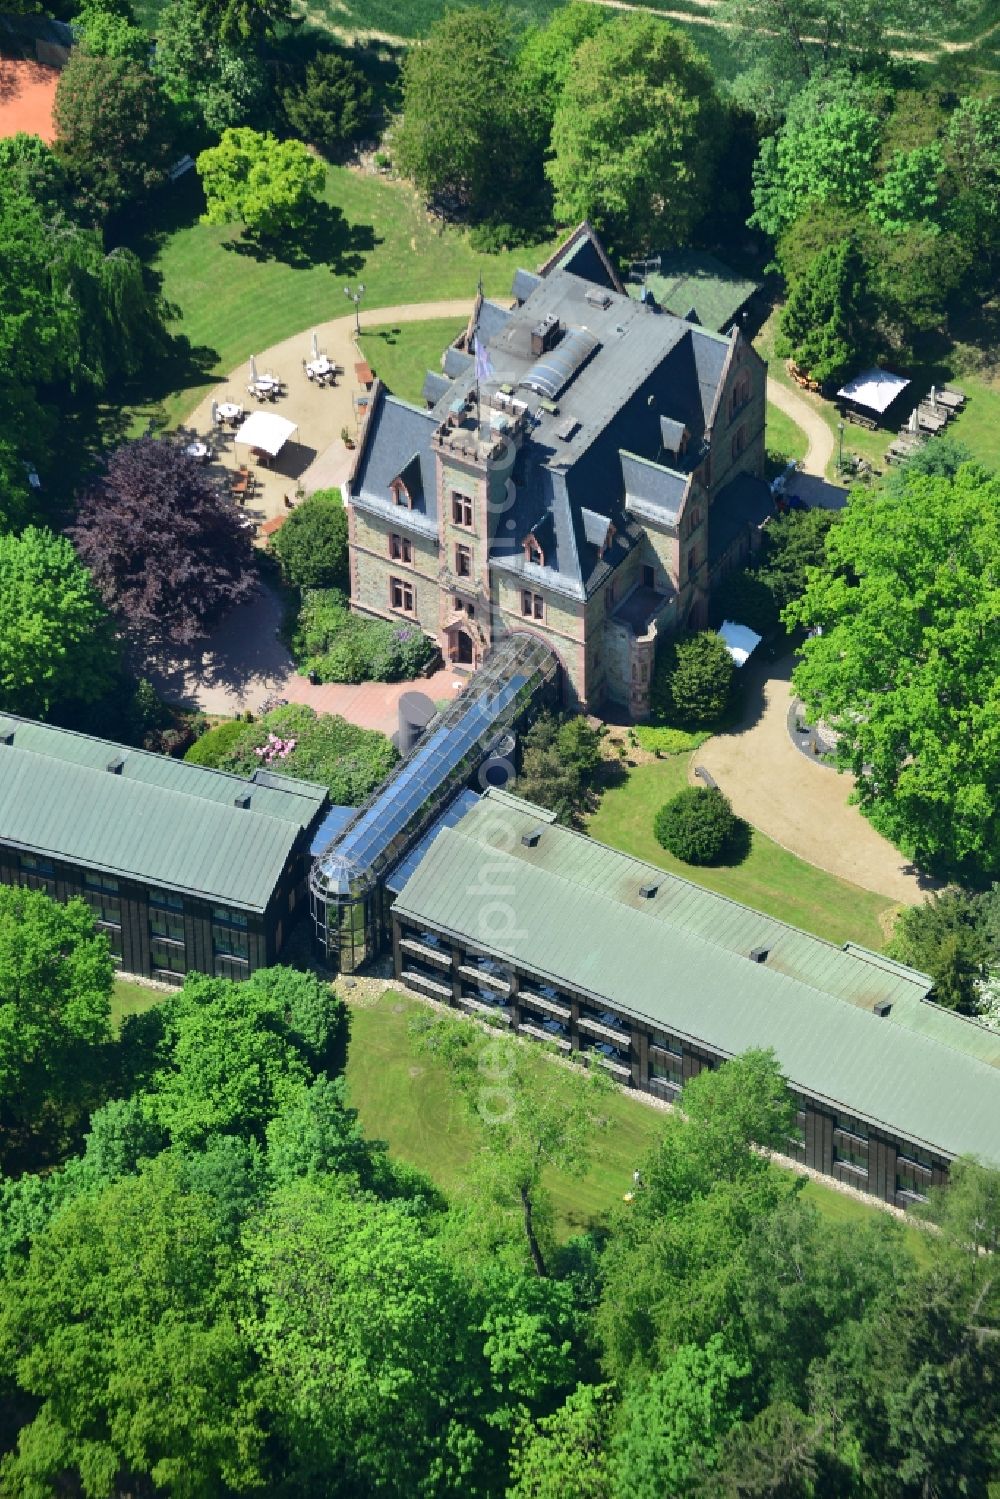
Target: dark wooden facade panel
{"type": "Point", "coordinates": [820, 1121]}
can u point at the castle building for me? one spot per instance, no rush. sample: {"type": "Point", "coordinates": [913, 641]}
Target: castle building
{"type": "Point", "coordinates": [585, 469]}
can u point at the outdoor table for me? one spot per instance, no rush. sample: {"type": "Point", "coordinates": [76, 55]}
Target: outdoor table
{"type": "Point", "coordinates": [230, 411]}
{"type": "Point", "coordinates": [197, 449]}
{"type": "Point", "coordinates": [321, 366]}
{"type": "Point", "coordinates": [266, 383]}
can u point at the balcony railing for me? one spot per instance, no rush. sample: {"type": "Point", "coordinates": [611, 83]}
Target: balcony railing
{"type": "Point", "coordinates": [542, 1002]}
{"type": "Point", "coordinates": [424, 950]}
{"type": "Point", "coordinates": [606, 1032]}
{"type": "Point", "coordinates": [540, 1034]}
{"type": "Point", "coordinates": [421, 981]}
{"type": "Point", "coordinates": [483, 976]}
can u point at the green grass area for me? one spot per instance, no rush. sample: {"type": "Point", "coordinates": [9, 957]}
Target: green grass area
{"type": "Point", "coordinates": [231, 300]}
{"type": "Point", "coordinates": [405, 1098]}
{"type": "Point", "coordinates": [130, 998]}
{"type": "Point", "coordinates": [401, 356]}
{"type": "Point", "coordinates": [770, 878]}
{"type": "Point", "coordinates": [785, 438]}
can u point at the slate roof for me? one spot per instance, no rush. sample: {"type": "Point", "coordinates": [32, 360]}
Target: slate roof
{"type": "Point", "coordinates": [524, 284]}
{"type": "Point", "coordinates": [653, 492]}
{"type": "Point", "coordinates": [397, 443]}
{"type": "Point", "coordinates": [647, 366]}
{"type": "Point", "coordinates": [646, 374]}
{"type": "Point", "coordinates": [693, 281]}
{"type": "Point", "coordinates": [680, 961]}
{"type": "Point", "coordinates": [436, 384]}
{"type": "Point", "coordinates": [744, 503]}
{"type": "Point", "coordinates": [157, 820]}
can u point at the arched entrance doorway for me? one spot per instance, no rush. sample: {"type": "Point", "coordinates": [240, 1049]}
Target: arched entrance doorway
{"type": "Point", "coordinates": [463, 651]}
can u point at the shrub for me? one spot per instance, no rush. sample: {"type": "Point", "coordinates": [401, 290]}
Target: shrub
{"type": "Point", "coordinates": [349, 760]}
{"type": "Point", "coordinates": [312, 544]}
{"type": "Point", "coordinates": [696, 825]}
{"type": "Point", "coordinates": [339, 646]}
{"type": "Point", "coordinates": [668, 741]}
{"type": "Point", "coordinates": [692, 680]}
{"type": "Point", "coordinates": [559, 765]}
{"type": "Point", "coordinates": [214, 747]}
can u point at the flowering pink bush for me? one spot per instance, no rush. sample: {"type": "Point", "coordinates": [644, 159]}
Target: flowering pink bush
{"type": "Point", "coordinates": [275, 748]}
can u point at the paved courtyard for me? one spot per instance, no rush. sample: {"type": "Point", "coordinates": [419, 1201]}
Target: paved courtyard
{"type": "Point", "coordinates": [316, 457]}
{"type": "Point", "coordinates": [800, 804]}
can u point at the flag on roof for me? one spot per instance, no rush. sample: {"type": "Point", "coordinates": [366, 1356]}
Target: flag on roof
{"type": "Point", "coordinates": [484, 365]}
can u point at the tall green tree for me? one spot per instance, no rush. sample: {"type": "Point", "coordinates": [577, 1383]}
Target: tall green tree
{"type": "Point", "coordinates": [470, 133]}
{"type": "Point", "coordinates": [236, 22]}
{"type": "Point", "coordinates": [331, 106]}
{"type": "Point", "coordinates": [824, 152]}
{"type": "Point", "coordinates": [565, 1455]}
{"type": "Point", "coordinates": [825, 324]}
{"type": "Point", "coordinates": [943, 937]}
{"type": "Point", "coordinates": [312, 544]}
{"type": "Point", "coordinates": [364, 1336]}
{"type": "Point", "coordinates": [907, 667]}
{"type": "Point", "coordinates": [546, 56]}
{"type": "Point", "coordinates": [637, 134]}
{"type": "Point", "coordinates": [673, 1424]}
{"type": "Point", "coordinates": [55, 1021]}
{"type": "Point", "coordinates": [234, 1054]}
{"type": "Point", "coordinates": [532, 1117]}
{"type": "Point", "coordinates": [113, 132]}
{"type": "Point", "coordinates": [58, 653]}
{"type": "Point", "coordinates": [122, 1327]}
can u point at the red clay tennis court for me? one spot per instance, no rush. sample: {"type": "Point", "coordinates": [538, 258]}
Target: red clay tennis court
{"type": "Point", "coordinates": [27, 92]}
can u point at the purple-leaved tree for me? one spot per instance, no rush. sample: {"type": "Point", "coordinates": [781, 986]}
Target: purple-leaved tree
{"type": "Point", "coordinates": [164, 546]}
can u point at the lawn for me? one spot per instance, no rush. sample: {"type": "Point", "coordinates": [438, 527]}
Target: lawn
{"type": "Point", "coordinates": [401, 356]}
{"type": "Point", "coordinates": [770, 879]}
{"type": "Point", "coordinates": [785, 438]}
{"type": "Point", "coordinates": [231, 300]}
{"type": "Point", "coordinates": [130, 998]}
{"type": "Point", "coordinates": [405, 1098]}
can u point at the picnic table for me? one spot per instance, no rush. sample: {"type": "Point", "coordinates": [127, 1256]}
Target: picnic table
{"type": "Point", "coordinates": [931, 420]}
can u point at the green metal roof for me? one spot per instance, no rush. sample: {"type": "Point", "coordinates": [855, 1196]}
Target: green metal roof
{"type": "Point", "coordinates": [680, 960]}
{"type": "Point", "coordinates": [157, 820]}
{"type": "Point", "coordinates": [693, 279]}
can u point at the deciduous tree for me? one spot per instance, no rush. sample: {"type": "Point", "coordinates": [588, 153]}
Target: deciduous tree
{"type": "Point", "coordinates": [166, 550]}
{"type": "Point", "coordinates": [637, 133]}
{"type": "Point", "coordinates": [122, 1326]}
{"type": "Point", "coordinates": [269, 185]}
{"type": "Point", "coordinates": [908, 662]}
{"type": "Point", "coordinates": [112, 130]}
{"type": "Point", "coordinates": [470, 134]}
{"type": "Point", "coordinates": [57, 647]}
{"type": "Point", "coordinates": [55, 1021]}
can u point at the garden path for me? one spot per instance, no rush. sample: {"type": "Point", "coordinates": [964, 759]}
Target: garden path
{"type": "Point", "coordinates": [800, 804]}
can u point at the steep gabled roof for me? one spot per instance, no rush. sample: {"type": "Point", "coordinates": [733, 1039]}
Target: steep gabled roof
{"type": "Point", "coordinates": [396, 443]}
{"type": "Point", "coordinates": [582, 253]}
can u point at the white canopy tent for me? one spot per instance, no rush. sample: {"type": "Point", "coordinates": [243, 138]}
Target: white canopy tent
{"type": "Point", "coordinates": [875, 389]}
{"type": "Point", "coordinates": [740, 640]}
{"type": "Point", "coordinates": [267, 431]}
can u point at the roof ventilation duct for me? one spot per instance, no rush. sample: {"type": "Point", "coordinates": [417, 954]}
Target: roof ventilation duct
{"type": "Point", "coordinates": [648, 891]}
{"type": "Point", "coordinates": [242, 799]}
{"type": "Point", "coordinates": [759, 954]}
{"type": "Point", "coordinates": [531, 840]}
{"type": "Point", "coordinates": [882, 1008]}
{"type": "Point", "coordinates": [116, 765]}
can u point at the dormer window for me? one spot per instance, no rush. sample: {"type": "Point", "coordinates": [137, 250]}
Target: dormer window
{"type": "Point", "coordinates": [400, 494]}
{"type": "Point", "coordinates": [533, 550]}
{"type": "Point", "coordinates": [609, 537]}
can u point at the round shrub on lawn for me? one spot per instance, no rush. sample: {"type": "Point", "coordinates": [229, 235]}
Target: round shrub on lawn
{"type": "Point", "coordinates": [312, 544]}
{"type": "Point", "coordinates": [696, 825]}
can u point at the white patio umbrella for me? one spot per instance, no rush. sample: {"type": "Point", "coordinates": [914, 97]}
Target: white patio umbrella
{"type": "Point", "coordinates": [914, 422]}
{"type": "Point", "coordinates": [934, 396]}
{"type": "Point", "coordinates": [253, 369]}
{"type": "Point", "coordinates": [215, 412]}
{"type": "Point", "coordinates": [315, 345]}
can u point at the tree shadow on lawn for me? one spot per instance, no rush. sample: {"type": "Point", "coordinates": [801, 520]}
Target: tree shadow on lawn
{"type": "Point", "coordinates": [327, 238]}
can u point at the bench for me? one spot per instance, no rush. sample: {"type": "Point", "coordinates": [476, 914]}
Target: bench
{"type": "Point", "coordinates": [184, 164]}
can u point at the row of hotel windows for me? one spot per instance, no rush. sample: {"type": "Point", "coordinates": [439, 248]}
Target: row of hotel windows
{"type": "Point", "coordinates": [403, 598]}
{"type": "Point", "coordinates": [230, 940]}
{"type": "Point", "coordinates": [666, 1072]}
{"type": "Point", "coordinates": [461, 504]}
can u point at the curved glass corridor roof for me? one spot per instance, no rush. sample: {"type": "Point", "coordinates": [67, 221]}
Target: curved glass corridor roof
{"type": "Point", "coordinates": [386, 826]}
